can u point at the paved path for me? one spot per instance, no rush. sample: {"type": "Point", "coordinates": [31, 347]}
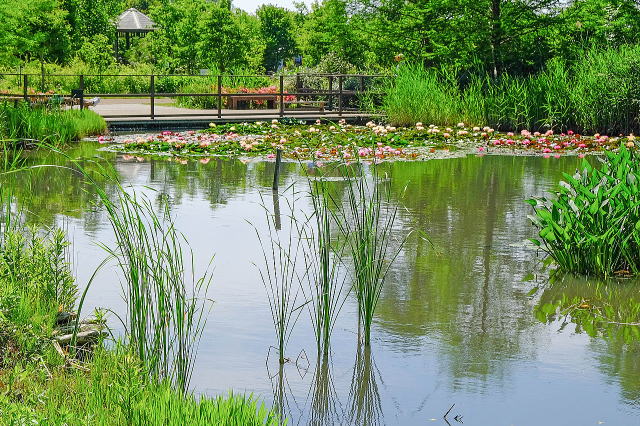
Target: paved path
{"type": "Point", "coordinates": [139, 110]}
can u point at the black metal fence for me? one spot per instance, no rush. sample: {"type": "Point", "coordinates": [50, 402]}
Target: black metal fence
{"type": "Point", "coordinates": [205, 95]}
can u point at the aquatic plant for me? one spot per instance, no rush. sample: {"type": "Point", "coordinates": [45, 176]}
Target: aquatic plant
{"type": "Point", "coordinates": [165, 300]}
{"type": "Point", "coordinates": [591, 223]}
{"type": "Point", "coordinates": [322, 282]}
{"type": "Point", "coordinates": [280, 251]}
{"type": "Point", "coordinates": [51, 126]}
{"type": "Point", "coordinates": [366, 220]}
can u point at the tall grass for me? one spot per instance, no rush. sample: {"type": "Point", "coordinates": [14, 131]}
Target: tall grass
{"type": "Point", "coordinates": [598, 94]}
{"type": "Point", "coordinates": [366, 219]}
{"type": "Point", "coordinates": [165, 306]}
{"type": "Point", "coordinates": [280, 251]}
{"type": "Point", "coordinates": [322, 281]}
{"type": "Point", "coordinates": [115, 391]}
{"type": "Point", "coordinates": [52, 126]}
{"type": "Point", "coordinates": [591, 223]}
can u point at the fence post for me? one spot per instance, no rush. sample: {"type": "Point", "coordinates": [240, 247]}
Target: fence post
{"type": "Point", "coordinates": [281, 96]}
{"type": "Point", "coordinates": [219, 96]}
{"type": "Point", "coordinates": [340, 95]}
{"type": "Point", "coordinates": [330, 93]}
{"type": "Point", "coordinates": [362, 84]}
{"type": "Point", "coordinates": [81, 91]}
{"type": "Point", "coordinates": [152, 92]}
{"type": "Point", "coordinates": [42, 79]}
{"type": "Point", "coordinates": [25, 91]}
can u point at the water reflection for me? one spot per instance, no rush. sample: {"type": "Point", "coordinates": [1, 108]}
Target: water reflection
{"type": "Point", "coordinates": [325, 406]}
{"type": "Point", "coordinates": [454, 322]}
{"type": "Point", "coordinates": [365, 405]}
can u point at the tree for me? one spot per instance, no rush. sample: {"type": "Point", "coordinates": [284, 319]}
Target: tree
{"type": "Point", "coordinates": [328, 29]}
{"type": "Point", "coordinates": [33, 29]}
{"type": "Point", "coordinates": [221, 44]}
{"type": "Point", "coordinates": [276, 25]}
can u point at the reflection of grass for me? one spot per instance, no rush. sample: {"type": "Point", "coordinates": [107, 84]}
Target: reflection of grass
{"type": "Point", "coordinates": [608, 308]}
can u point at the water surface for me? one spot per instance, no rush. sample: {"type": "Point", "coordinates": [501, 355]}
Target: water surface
{"type": "Point", "coordinates": [455, 322]}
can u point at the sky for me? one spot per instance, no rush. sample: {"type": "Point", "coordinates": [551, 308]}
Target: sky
{"type": "Point", "coordinates": [252, 5]}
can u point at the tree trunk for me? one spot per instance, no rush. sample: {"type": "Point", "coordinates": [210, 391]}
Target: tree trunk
{"type": "Point", "coordinates": [496, 36]}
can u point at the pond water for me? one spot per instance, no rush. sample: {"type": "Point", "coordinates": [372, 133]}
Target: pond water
{"type": "Point", "coordinates": [455, 323]}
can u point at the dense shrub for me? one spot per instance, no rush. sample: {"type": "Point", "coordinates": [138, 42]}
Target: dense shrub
{"type": "Point", "coordinates": [591, 223]}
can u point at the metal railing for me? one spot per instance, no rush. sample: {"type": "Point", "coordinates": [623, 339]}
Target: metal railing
{"type": "Point", "coordinates": [307, 94]}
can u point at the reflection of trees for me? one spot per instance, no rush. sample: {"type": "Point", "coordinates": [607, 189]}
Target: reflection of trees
{"type": "Point", "coordinates": [463, 291]}
{"type": "Point", "coordinates": [603, 308]}
{"type": "Point", "coordinates": [44, 192]}
{"type": "Point", "coordinates": [365, 404]}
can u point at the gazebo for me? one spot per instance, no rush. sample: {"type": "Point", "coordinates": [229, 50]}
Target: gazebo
{"type": "Point", "coordinates": [132, 22]}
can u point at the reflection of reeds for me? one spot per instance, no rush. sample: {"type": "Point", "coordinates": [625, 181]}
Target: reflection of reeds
{"type": "Point", "coordinates": [324, 399]}
{"type": "Point", "coordinates": [365, 406]}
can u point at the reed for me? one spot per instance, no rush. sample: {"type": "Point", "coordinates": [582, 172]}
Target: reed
{"type": "Point", "coordinates": [366, 220]}
{"type": "Point", "coordinates": [322, 281]}
{"type": "Point", "coordinates": [595, 95]}
{"type": "Point", "coordinates": [590, 223]}
{"type": "Point", "coordinates": [280, 256]}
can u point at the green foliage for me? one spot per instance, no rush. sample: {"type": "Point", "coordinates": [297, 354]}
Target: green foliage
{"type": "Point", "coordinates": [35, 283]}
{"type": "Point", "coordinates": [591, 223]}
{"type": "Point", "coordinates": [33, 29]}
{"type": "Point", "coordinates": [276, 27]}
{"type": "Point", "coordinates": [598, 95]}
{"type": "Point", "coordinates": [115, 391]}
{"type": "Point", "coordinates": [97, 52]}
{"type": "Point", "coordinates": [52, 126]}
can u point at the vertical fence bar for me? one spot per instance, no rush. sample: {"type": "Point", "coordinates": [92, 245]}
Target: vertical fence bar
{"type": "Point", "coordinates": [330, 93]}
{"type": "Point", "coordinates": [340, 95]}
{"type": "Point", "coordinates": [362, 84]}
{"type": "Point", "coordinates": [81, 91]}
{"type": "Point", "coordinates": [152, 92]}
{"type": "Point", "coordinates": [25, 91]}
{"type": "Point", "coordinates": [42, 86]}
{"type": "Point", "coordinates": [219, 96]}
{"type": "Point", "coordinates": [281, 96]}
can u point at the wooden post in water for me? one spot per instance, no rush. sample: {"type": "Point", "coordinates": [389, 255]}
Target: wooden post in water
{"type": "Point", "coordinates": [152, 93]}
{"type": "Point", "coordinates": [276, 173]}
{"type": "Point", "coordinates": [276, 210]}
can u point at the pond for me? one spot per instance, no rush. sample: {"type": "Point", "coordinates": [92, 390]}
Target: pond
{"type": "Point", "coordinates": [455, 323]}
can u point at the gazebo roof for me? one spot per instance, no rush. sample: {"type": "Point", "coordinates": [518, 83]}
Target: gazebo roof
{"type": "Point", "coordinates": [134, 21]}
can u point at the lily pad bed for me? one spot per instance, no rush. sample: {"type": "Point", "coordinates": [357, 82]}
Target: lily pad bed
{"type": "Point", "coordinates": [341, 141]}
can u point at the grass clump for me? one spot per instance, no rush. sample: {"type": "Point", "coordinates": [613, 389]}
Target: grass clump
{"type": "Point", "coordinates": [591, 223]}
{"type": "Point", "coordinates": [595, 95]}
{"type": "Point", "coordinates": [51, 126]}
{"type": "Point", "coordinates": [366, 219]}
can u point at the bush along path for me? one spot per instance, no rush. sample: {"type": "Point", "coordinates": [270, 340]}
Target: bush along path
{"type": "Point", "coordinates": [372, 142]}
